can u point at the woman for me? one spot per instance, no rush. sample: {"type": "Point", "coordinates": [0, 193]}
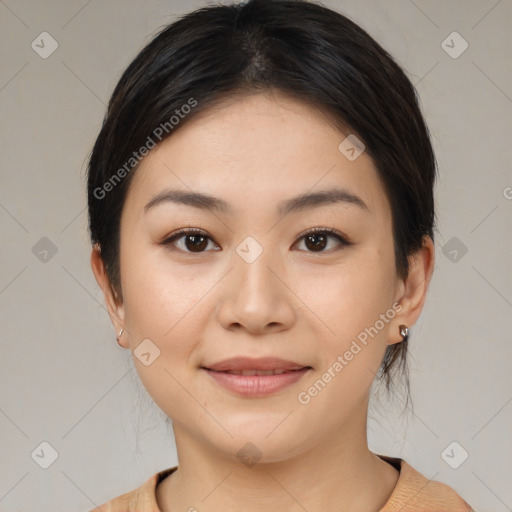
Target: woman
{"type": "Point", "coordinates": [261, 211]}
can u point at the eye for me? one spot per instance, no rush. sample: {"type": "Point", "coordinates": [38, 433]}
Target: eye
{"type": "Point", "coordinates": [196, 240]}
{"type": "Point", "coordinates": [317, 238]}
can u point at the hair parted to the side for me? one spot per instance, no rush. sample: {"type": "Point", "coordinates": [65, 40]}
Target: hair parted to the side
{"type": "Point", "coordinates": [300, 48]}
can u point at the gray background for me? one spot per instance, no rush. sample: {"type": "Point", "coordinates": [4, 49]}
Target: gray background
{"type": "Point", "coordinates": [63, 378]}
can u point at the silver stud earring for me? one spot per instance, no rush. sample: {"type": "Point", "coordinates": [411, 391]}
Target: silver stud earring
{"type": "Point", "coordinates": [404, 330]}
{"type": "Point", "coordinates": [119, 336]}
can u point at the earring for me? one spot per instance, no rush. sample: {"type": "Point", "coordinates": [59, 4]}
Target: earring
{"type": "Point", "coordinates": [119, 336]}
{"type": "Point", "coordinates": [404, 330]}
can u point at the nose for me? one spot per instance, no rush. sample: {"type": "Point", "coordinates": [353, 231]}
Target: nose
{"type": "Point", "coordinates": [256, 297]}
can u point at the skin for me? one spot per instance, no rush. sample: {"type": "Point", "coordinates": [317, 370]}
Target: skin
{"type": "Point", "coordinates": [292, 302]}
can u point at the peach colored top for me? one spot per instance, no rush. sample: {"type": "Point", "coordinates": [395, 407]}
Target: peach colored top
{"type": "Point", "coordinates": [412, 493]}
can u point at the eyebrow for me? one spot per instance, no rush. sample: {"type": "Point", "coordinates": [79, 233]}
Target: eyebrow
{"type": "Point", "coordinates": [295, 204]}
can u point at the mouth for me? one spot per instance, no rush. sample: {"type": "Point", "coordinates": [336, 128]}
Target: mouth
{"type": "Point", "coordinates": [262, 364]}
{"type": "Point", "coordinates": [278, 371]}
{"type": "Point", "coordinates": [255, 377]}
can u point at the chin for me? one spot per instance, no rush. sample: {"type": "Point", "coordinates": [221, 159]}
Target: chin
{"type": "Point", "coordinates": [260, 441]}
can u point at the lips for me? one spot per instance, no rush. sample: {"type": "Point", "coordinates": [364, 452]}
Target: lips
{"type": "Point", "coordinates": [258, 372]}
{"type": "Point", "coordinates": [255, 366]}
{"type": "Point", "coordinates": [250, 377]}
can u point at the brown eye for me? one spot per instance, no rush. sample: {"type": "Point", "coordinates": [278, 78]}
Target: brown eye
{"type": "Point", "coordinates": [194, 241]}
{"type": "Point", "coordinates": [197, 242]}
{"type": "Point", "coordinates": [318, 239]}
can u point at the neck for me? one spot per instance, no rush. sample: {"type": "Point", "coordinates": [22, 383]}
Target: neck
{"type": "Point", "coordinates": [338, 473]}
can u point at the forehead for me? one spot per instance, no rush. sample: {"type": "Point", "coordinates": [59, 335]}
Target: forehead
{"type": "Point", "coordinates": [258, 148]}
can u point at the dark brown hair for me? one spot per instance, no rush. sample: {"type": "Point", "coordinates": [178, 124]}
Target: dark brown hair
{"type": "Point", "coordinates": [303, 49]}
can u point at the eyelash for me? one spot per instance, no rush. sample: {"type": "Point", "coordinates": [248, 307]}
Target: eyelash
{"type": "Point", "coordinates": [331, 232]}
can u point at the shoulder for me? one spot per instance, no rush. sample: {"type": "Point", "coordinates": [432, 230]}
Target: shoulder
{"type": "Point", "coordinates": [141, 499]}
{"type": "Point", "coordinates": [415, 492]}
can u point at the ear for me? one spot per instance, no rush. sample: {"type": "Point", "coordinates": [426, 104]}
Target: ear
{"type": "Point", "coordinates": [114, 306]}
{"type": "Point", "coordinates": [412, 290]}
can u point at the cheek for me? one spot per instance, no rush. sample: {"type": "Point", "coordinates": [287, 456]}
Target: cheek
{"type": "Point", "coordinates": [352, 336]}
{"type": "Point", "coordinates": [158, 294]}
{"type": "Point", "coordinates": [353, 304]}
{"type": "Point", "coordinates": [350, 296]}
{"type": "Point", "coordinates": [161, 304]}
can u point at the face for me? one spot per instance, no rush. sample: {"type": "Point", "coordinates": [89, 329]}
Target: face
{"type": "Point", "coordinates": [252, 279]}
